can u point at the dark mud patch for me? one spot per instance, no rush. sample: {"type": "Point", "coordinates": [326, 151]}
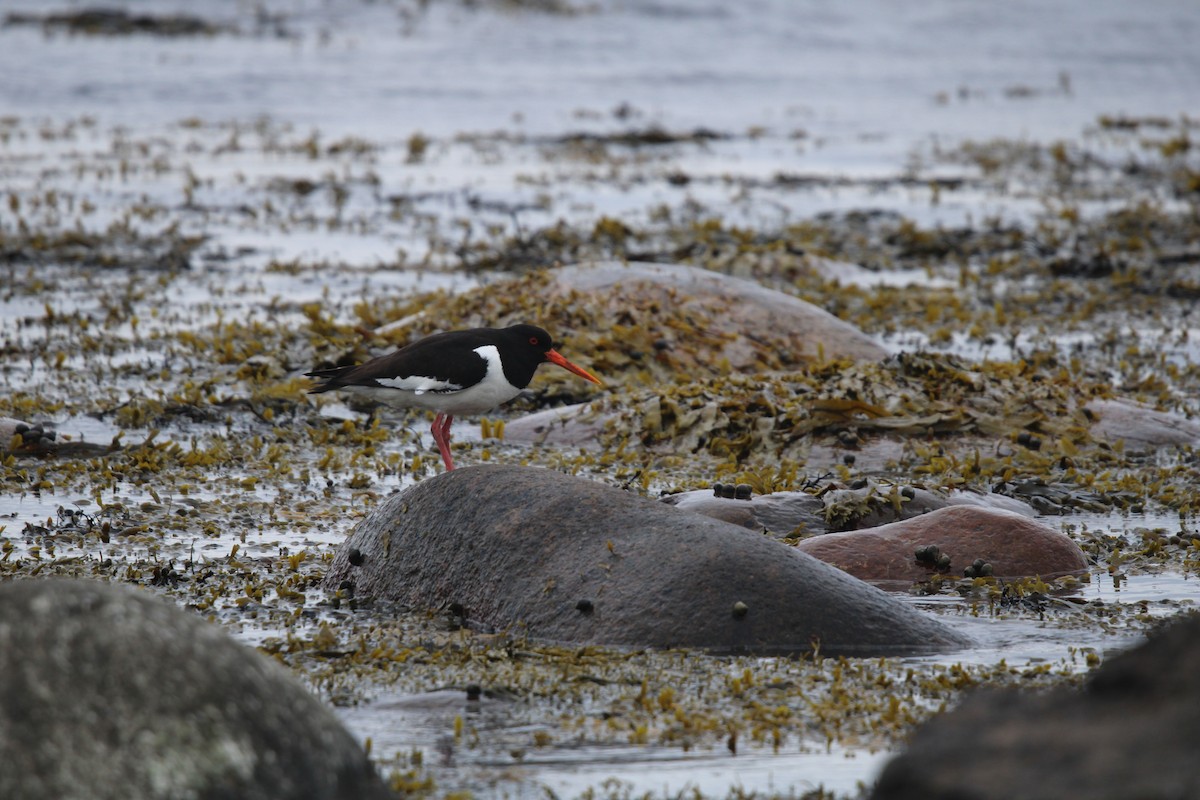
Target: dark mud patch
{"type": "Point", "coordinates": [118, 248]}
{"type": "Point", "coordinates": [118, 22]}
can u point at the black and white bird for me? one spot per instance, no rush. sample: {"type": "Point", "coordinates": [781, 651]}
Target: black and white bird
{"type": "Point", "coordinates": [457, 372]}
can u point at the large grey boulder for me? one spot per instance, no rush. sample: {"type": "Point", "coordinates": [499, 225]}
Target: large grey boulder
{"type": "Point", "coordinates": [742, 309]}
{"type": "Point", "coordinates": [560, 558]}
{"type": "Point", "coordinates": [1131, 732]}
{"type": "Point", "coordinates": [108, 692]}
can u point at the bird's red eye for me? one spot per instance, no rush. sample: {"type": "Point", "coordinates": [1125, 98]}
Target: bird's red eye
{"type": "Point", "coordinates": [533, 340]}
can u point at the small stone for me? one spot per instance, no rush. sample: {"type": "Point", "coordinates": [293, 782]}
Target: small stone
{"type": "Point", "coordinates": [585, 606]}
{"type": "Point", "coordinates": [356, 557]}
{"type": "Point", "coordinates": [740, 609]}
{"type": "Point", "coordinates": [743, 491]}
{"type": "Point", "coordinates": [929, 554]}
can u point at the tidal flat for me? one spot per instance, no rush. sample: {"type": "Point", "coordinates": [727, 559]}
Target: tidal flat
{"type": "Point", "coordinates": [179, 245]}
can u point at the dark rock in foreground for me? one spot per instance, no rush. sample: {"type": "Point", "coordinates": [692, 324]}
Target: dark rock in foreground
{"type": "Point", "coordinates": [559, 558]}
{"type": "Point", "coordinates": [1014, 545]}
{"type": "Point", "coordinates": [108, 692]}
{"type": "Point", "coordinates": [1131, 732]}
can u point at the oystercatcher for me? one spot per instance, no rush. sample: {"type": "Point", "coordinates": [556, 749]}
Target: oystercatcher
{"type": "Point", "coordinates": [457, 372]}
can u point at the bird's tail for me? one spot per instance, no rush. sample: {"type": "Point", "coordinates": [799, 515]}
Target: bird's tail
{"type": "Point", "coordinates": [330, 377]}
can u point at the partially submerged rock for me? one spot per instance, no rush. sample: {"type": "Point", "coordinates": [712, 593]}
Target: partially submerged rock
{"type": "Point", "coordinates": [1132, 732]}
{"type": "Point", "coordinates": [109, 692]}
{"type": "Point", "coordinates": [1014, 545]}
{"type": "Point", "coordinates": [746, 311]}
{"type": "Point", "coordinates": [878, 504]}
{"type": "Point", "coordinates": [781, 513]}
{"type": "Point", "coordinates": [1141, 427]}
{"type": "Point", "coordinates": [40, 439]}
{"type": "Point", "coordinates": [650, 324]}
{"type": "Point", "coordinates": [570, 425]}
{"type": "Point", "coordinates": [787, 514]}
{"type": "Point", "coordinates": [18, 436]}
{"type": "Point", "coordinates": [560, 558]}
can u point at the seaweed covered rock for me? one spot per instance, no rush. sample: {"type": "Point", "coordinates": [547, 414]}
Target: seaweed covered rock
{"type": "Point", "coordinates": [1131, 732]}
{"type": "Point", "coordinates": [561, 558]}
{"type": "Point", "coordinates": [646, 324]}
{"type": "Point", "coordinates": [39, 439]}
{"type": "Point", "coordinates": [1012, 544]}
{"type": "Point", "coordinates": [111, 693]}
{"type": "Point", "coordinates": [19, 436]}
{"type": "Point", "coordinates": [745, 313]}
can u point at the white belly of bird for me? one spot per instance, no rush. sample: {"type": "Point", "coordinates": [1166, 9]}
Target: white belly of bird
{"type": "Point", "coordinates": [435, 395]}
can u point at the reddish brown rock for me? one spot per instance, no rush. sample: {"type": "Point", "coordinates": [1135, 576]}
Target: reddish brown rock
{"type": "Point", "coordinates": [1015, 545]}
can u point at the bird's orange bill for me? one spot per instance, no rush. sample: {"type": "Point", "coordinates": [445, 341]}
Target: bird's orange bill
{"type": "Point", "coordinates": [554, 358]}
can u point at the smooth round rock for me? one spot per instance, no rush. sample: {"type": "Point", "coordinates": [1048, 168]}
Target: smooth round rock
{"type": "Point", "coordinates": [516, 549]}
{"type": "Point", "coordinates": [780, 513]}
{"type": "Point", "coordinates": [1140, 427]}
{"type": "Point", "coordinates": [110, 692]}
{"type": "Point", "coordinates": [571, 425]}
{"type": "Point", "coordinates": [1131, 732]}
{"type": "Point", "coordinates": [1015, 545]}
{"type": "Point", "coordinates": [742, 308]}
{"type": "Point", "coordinates": [878, 504]}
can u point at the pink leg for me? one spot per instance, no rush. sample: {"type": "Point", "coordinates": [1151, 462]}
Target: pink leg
{"type": "Point", "coordinates": [441, 436]}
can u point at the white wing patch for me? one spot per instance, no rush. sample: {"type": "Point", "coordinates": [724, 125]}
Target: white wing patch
{"type": "Point", "coordinates": [495, 368]}
{"type": "Point", "coordinates": [418, 391]}
{"type": "Point", "coordinates": [418, 384]}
